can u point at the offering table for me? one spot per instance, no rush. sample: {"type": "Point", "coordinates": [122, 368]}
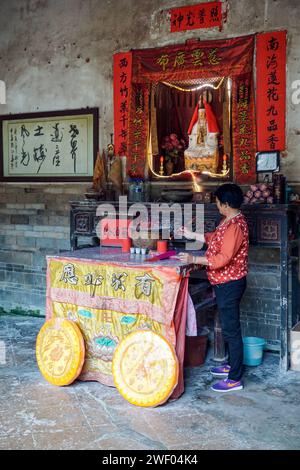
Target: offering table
{"type": "Point", "coordinates": [110, 294]}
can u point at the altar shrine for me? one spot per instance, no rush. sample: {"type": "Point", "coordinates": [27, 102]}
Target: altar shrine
{"type": "Point", "coordinates": [189, 108]}
{"type": "Point", "coordinates": [218, 73]}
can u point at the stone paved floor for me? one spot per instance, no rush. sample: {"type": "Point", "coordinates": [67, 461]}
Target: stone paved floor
{"type": "Point", "coordinates": [88, 415]}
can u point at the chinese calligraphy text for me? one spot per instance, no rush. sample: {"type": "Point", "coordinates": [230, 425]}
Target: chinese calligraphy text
{"type": "Point", "coordinates": [271, 90]}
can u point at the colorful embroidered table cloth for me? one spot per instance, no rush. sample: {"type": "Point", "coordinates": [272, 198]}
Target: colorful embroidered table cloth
{"type": "Point", "coordinates": [110, 294]}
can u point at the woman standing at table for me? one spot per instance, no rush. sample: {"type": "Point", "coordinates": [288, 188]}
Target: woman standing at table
{"type": "Point", "coordinates": [226, 260]}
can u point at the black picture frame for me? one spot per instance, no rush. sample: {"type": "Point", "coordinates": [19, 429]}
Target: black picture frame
{"type": "Point", "coordinates": [94, 112]}
{"type": "Point", "coordinates": [271, 163]}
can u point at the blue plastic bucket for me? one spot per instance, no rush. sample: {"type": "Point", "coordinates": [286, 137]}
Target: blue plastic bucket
{"type": "Point", "coordinates": [253, 350]}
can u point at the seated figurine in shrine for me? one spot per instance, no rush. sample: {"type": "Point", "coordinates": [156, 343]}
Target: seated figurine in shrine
{"type": "Point", "coordinates": [202, 152]}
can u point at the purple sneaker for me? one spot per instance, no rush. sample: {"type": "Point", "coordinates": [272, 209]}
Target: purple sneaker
{"type": "Point", "coordinates": [221, 371]}
{"type": "Point", "coordinates": [227, 385]}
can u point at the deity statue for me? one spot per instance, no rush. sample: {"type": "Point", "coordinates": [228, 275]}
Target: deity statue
{"type": "Point", "coordinates": [202, 152]}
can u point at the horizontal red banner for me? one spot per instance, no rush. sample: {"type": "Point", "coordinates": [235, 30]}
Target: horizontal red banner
{"type": "Point", "coordinates": [203, 15]}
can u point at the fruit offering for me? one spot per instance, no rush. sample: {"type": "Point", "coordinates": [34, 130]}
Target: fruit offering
{"type": "Point", "coordinates": [259, 193]}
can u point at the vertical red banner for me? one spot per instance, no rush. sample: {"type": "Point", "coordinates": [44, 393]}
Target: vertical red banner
{"type": "Point", "coordinates": [271, 90]}
{"type": "Point", "coordinates": [138, 130]}
{"type": "Point", "coordinates": [203, 15]}
{"type": "Point", "coordinates": [243, 135]}
{"type": "Point", "coordinates": [122, 91]}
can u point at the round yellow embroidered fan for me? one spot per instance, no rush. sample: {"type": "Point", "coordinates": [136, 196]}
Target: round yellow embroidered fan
{"type": "Point", "coordinates": [145, 368]}
{"type": "Point", "coordinates": [60, 351]}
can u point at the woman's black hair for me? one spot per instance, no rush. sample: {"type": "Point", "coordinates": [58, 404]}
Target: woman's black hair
{"type": "Point", "coordinates": [230, 193]}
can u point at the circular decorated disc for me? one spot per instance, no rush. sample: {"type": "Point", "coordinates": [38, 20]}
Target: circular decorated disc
{"type": "Point", "coordinates": [60, 351]}
{"type": "Point", "coordinates": [145, 368]}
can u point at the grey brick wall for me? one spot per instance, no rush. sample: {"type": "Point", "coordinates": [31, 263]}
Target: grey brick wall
{"type": "Point", "coordinates": [260, 306]}
{"type": "Point", "coordinates": [34, 222]}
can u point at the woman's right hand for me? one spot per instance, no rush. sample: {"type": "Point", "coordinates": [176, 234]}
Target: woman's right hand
{"type": "Point", "coordinates": [186, 233]}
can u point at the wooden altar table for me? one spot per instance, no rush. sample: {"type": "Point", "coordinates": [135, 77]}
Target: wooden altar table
{"type": "Point", "coordinates": [109, 294]}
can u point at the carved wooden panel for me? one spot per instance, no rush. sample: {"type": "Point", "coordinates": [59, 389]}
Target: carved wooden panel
{"type": "Point", "coordinates": [268, 230]}
{"type": "Point", "coordinates": [82, 223]}
{"type": "Point", "coordinates": [252, 226]}
{"type": "Point", "coordinates": [96, 221]}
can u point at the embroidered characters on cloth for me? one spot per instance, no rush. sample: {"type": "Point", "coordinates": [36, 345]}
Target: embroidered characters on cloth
{"type": "Point", "coordinates": [144, 285]}
{"type": "Point", "coordinates": [68, 274]}
{"type": "Point", "coordinates": [118, 281]}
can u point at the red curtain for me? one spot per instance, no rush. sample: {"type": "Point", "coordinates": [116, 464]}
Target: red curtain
{"type": "Point", "coordinates": [222, 57]}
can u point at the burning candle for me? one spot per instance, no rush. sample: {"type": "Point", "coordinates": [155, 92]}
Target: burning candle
{"type": "Point", "coordinates": [161, 168]}
{"type": "Point", "coordinates": [224, 169]}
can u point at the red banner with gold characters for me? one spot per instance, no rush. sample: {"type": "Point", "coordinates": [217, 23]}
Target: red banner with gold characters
{"type": "Point", "coordinates": [203, 15]}
{"type": "Point", "coordinates": [243, 135]}
{"type": "Point", "coordinates": [122, 90]}
{"type": "Point", "coordinates": [138, 130]}
{"type": "Point", "coordinates": [271, 90]}
{"type": "Point", "coordinates": [216, 58]}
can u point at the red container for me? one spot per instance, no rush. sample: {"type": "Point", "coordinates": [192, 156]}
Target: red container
{"type": "Point", "coordinates": [162, 246]}
{"type": "Point", "coordinates": [112, 232]}
{"type": "Point", "coordinates": [195, 350]}
{"type": "Point", "coordinates": [126, 244]}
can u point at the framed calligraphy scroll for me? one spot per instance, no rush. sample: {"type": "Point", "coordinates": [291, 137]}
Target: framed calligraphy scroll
{"type": "Point", "coordinates": [49, 146]}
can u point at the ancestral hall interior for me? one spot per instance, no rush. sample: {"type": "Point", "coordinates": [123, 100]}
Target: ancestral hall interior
{"type": "Point", "coordinates": [158, 103]}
